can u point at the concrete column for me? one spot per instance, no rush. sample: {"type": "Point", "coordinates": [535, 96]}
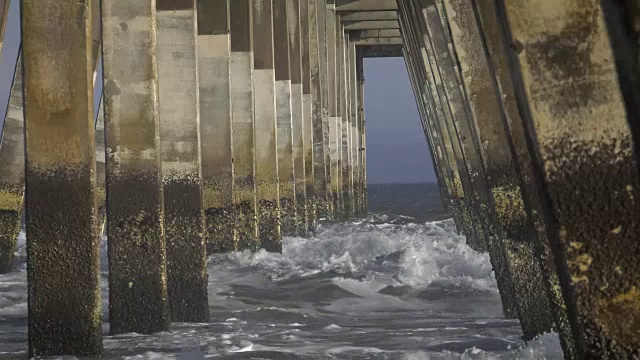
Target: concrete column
{"type": "Point", "coordinates": [456, 166]}
{"type": "Point", "coordinates": [431, 139]}
{"type": "Point", "coordinates": [4, 11]}
{"type": "Point", "coordinates": [307, 107]}
{"type": "Point", "coordinates": [438, 102]}
{"type": "Point", "coordinates": [505, 201]}
{"type": "Point", "coordinates": [242, 116]}
{"type": "Point", "coordinates": [363, 137]}
{"type": "Point", "coordinates": [316, 64]}
{"type": "Point", "coordinates": [347, 188]}
{"type": "Point", "coordinates": [340, 214]}
{"type": "Point", "coordinates": [498, 73]}
{"type": "Point", "coordinates": [284, 119]}
{"type": "Point", "coordinates": [135, 208]}
{"type": "Point", "coordinates": [214, 51]}
{"type": "Point", "coordinates": [11, 172]}
{"type": "Point", "coordinates": [323, 40]}
{"type": "Point", "coordinates": [332, 85]}
{"type": "Point", "coordinates": [181, 172]}
{"type": "Point", "coordinates": [297, 113]}
{"type": "Point", "coordinates": [266, 128]}
{"type": "Point", "coordinates": [582, 153]}
{"type": "Point", "coordinates": [62, 246]}
{"type": "Point", "coordinates": [477, 222]}
{"type": "Point", "coordinates": [353, 113]}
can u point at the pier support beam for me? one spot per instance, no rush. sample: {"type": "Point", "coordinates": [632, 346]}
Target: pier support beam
{"type": "Point", "coordinates": [284, 120]}
{"type": "Point", "coordinates": [582, 150]}
{"type": "Point", "coordinates": [214, 51]}
{"type": "Point", "coordinates": [318, 112]}
{"type": "Point", "coordinates": [137, 257]}
{"type": "Point", "coordinates": [181, 173]}
{"type": "Point", "coordinates": [62, 246]}
{"type": "Point", "coordinates": [496, 53]}
{"type": "Point", "coordinates": [339, 33]}
{"type": "Point", "coordinates": [307, 109]}
{"type": "Point", "coordinates": [332, 84]}
{"type": "Point", "coordinates": [242, 117]}
{"type": "Point", "coordinates": [326, 83]}
{"type": "Point", "coordinates": [362, 151]}
{"type": "Point", "coordinates": [11, 172]}
{"type": "Point", "coordinates": [266, 128]}
{"type": "Point", "coordinates": [514, 226]}
{"type": "Point", "coordinates": [458, 167]}
{"type": "Point", "coordinates": [353, 123]}
{"type": "Point", "coordinates": [347, 175]}
{"type": "Point", "coordinates": [297, 113]}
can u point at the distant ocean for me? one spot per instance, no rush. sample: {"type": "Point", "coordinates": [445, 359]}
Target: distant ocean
{"type": "Point", "coordinates": [400, 284]}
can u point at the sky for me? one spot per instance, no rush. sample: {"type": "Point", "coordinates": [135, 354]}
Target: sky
{"type": "Point", "coordinates": [397, 151]}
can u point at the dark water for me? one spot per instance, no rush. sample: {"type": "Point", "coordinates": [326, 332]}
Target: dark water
{"type": "Point", "coordinates": [399, 284]}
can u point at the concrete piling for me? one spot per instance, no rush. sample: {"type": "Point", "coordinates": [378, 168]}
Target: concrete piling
{"type": "Point", "coordinates": [297, 113]}
{"type": "Point", "coordinates": [184, 224]}
{"type": "Point", "coordinates": [62, 245]}
{"type": "Point", "coordinates": [582, 148]}
{"type": "Point", "coordinates": [439, 103]}
{"type": "Point", "coordinates": [362, 151]}
{"type": "Point", "coordinates": [135, 206]}
{"type": "Point", "coordinates": [353, 123]}
{"type": "Point", "coordinates": [242, 120]}
{"type": "Point", "coordinates": [11, 172]}
{"type": "Point", "coordinates": [316, 64]}
{"type": "Point", "coordinates": [495, 51]}
{"type": "Point", "coordinates": [333, 121]}
{"type": "Point", "coordinates": [346, 171]}
{"type": "Point", "coordinates": [307, 107]}
{"type": "Point", "coordinates": [340, 137]}
{"type": "Point", "coordinates": [284, 118]}
{"type": "Point", "coordinates": [514, 226]}
{"type": "Point", "coordinates": [264, 87]}
{"type": "Point", "coordinates": [214, 51]}
{"type": "Point", "coordinates": [325, 81]}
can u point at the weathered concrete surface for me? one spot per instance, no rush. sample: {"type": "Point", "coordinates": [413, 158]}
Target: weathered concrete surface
{"type": "Point", "coordinates": [316, 64]}
{"type": "Point", "coordinates": [362, 154]}
{"type": "Point", "coordinates": [214, 50]}
{"type": "Point", "coordinates": [498, 66]}
{"type": "Point", "coordinates": [242, 133]}
{"type": "Point", "coordinates": [181, 175]}
{"type": "Point", "coordinates": [462, 137]}
{"type": "Point", "coordinates": [519, 236]}
{"type": "Point", "coordinates": [137, 289]}
{"type": "Point", "coordinates": [583, 159]}
{"type": "Point", "coordinates": [333, 121]}
{"type": "Point", "coordinates": [4, 11]}
{"type": "Point", "coordinates": [423, 112]}
{"type": "Point", "coordinates": [264, 88]}
{"type": "Point", "coordinates": [353, 122]}
{"type": "Point", "coordinates": [284, 118]}
{"type": "Point", "coordinates": [297, 113]}
{"type": "Point", "coordinates": [307, 109]}
{"type": "Point", "coordinates": [339, 203]}
{"type": "Point", "coordinates": [325, 80]}
{"type": "Point", "coordinates": [438, 103]}
{"type": "Point", "coordinates": [347, 165]}
{"type": "Point", "coordinates": [11, 172]}
{"type": "Point", "coordinates": [62, 265]}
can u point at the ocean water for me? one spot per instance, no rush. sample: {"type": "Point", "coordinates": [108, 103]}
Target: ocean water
{"type": "Point", "coordinates": [400, 284]}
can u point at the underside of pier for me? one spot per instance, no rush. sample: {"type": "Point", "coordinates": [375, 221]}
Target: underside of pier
{"type": "Point", "coordinates": [224, 125]}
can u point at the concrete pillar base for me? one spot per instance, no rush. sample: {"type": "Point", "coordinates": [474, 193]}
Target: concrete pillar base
{"type": "Point", "coordinates": [220, 229]}
{"type": "Point", "coordinates": [187, 277]}
{"type": "Point", "coordinates": [269, 224]}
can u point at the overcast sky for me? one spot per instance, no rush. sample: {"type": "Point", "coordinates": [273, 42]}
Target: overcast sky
{"type": "Point", "coordinates": [397, 151]}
